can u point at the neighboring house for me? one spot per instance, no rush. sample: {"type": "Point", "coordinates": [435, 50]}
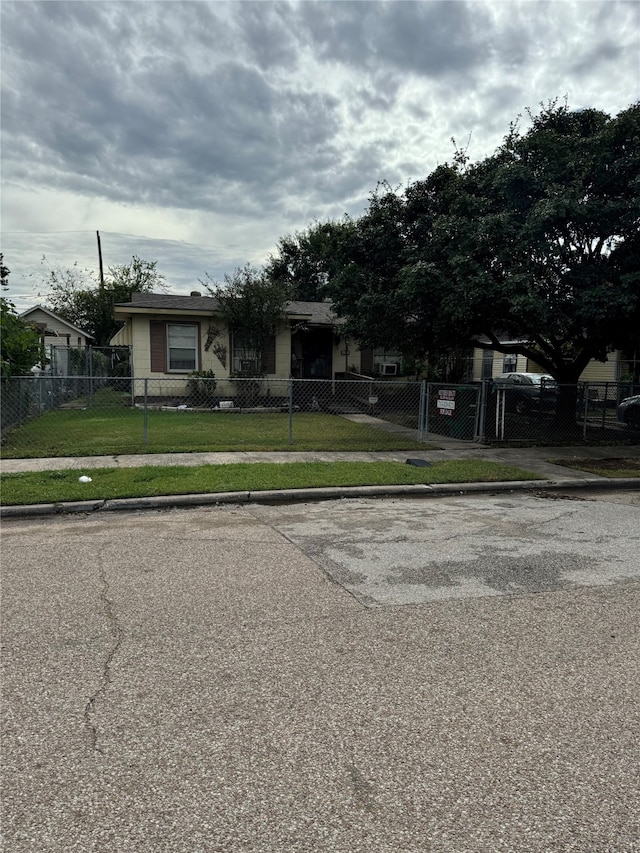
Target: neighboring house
{"type": "Point", "coordinates": [171, 336]}
{"type": "Point", "coordinates": [57, 337]}
{"type": "Point", "coordinates": [487, 364]}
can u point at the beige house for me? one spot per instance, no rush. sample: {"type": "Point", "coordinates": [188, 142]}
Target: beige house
{"type": "Point", "coordinates": [171, 336]}
{"type": "Point", "coordinates": [57, 336]}
{"type": "Point", "coordinates": [487, 364]}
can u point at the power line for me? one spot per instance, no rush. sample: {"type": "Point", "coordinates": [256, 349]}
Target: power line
{"type": "Point", "coordinates": [133, 237]}
{"type": "Point", "coordinates": [87, 231]}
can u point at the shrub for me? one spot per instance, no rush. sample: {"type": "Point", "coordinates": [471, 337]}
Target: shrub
{"type": "Point", "coordinates": [201, 388]}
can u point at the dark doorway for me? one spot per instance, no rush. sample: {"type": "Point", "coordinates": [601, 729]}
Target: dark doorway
{"type": "Point", "coordinates": [315, 346]}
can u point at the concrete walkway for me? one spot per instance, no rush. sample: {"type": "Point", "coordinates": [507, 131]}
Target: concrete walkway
{"type": "Point", "coordinates": [533, 459]}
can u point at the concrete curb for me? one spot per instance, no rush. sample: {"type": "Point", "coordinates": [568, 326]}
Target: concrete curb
{"type": "Point", "coordinates": [321, 494]}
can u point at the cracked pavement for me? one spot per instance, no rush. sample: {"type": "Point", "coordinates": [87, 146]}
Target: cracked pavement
{"type": "Point", "coordinates": [384, 675]}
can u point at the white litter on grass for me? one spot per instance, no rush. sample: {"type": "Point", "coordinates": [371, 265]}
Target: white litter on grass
{"type": "Point", "coordinates": [84, 479]}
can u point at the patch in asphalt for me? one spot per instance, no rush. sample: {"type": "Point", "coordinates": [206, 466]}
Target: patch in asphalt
{"type": "Point", "coordinates": [393, 552]}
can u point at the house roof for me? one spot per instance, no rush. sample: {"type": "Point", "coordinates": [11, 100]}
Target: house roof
{"type": "Point", "coordinates": [314, 313]}
{"type": "Point", "coordinates": [166, 301]}
{"type": "Point", "coordinates": [53, 316]}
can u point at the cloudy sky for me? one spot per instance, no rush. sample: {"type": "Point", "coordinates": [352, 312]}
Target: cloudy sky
{"type": "Point", "coordinates": [196, 134]}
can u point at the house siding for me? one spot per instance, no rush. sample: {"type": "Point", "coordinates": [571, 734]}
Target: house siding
{"type": "Point", "coordinates": [599, 371]}
{"type": "Point", "coordinates": [595, 371]}
{"type": "Point", "coordinates": [65, 334]}
{"type": "Point", "coordinates": [145, 332]}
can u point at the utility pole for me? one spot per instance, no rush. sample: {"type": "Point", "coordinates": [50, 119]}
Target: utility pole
{"type": "Point", "coordinates": [100, 260]}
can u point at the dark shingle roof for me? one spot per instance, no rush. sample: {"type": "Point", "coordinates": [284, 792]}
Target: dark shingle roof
{"type": "Point", "coordinates": [170, 301]}
{"type": "Point", "coordinates": [320, 313]}
{"type": "Point", "coordinates": [315, 313]}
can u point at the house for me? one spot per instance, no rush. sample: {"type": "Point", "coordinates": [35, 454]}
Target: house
{"type": "Point", "coordinates": [171, 336]}
{"type": "Point", "coordinates": [619, 366]}
{"type": "Point", "coordinates": [57, 337]}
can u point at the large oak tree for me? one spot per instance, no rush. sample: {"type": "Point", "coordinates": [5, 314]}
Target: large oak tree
{"type": "Point", "coordinates": [539, 244]}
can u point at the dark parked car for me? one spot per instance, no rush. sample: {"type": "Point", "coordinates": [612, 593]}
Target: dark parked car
{"type": "Point", "coordinates": [527, 391]}
{"type": "Point", "coordinates": [629, 411]}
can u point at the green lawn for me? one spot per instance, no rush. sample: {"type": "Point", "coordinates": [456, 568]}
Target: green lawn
{"type": "Point", "coordinates": [115, 431]}
{"type": "Point", "coordinates": [148, 481]}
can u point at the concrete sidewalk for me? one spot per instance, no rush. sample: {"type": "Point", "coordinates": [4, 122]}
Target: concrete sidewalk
{"type": "Point", "coordinates": [533, 459]}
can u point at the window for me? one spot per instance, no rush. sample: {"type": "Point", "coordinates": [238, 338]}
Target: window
{"type": "Point", "coordinates": [487, 363]}
{"type": "Point", "coordinates": [509, 363]}
{"type": "Point", "coordinates": [382, 356]}
{"type": "Point", "coordinates": [245, 355]}
{"type": "Point", "coordinates": [182, 347]}
{"type": "Point", "coordinates": [249, 360]}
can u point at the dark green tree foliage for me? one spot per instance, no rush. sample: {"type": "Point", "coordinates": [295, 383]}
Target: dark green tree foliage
{"type": "Point", "coordinates": [539, 242]}
{"type": "Point", "coordinates": [251, 305]}
{"type": "Point", "coordinates": [306, 260]}
{"type": "Point", "coordinates": [77, 295]}
{"type": "Point", "coordinates": [555, 239]}
{"type": "Point", "coordinates": [20, 346]}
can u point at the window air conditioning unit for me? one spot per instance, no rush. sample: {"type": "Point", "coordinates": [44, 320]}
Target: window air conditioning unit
{"type": "Point", "coordinates": [388, 369]}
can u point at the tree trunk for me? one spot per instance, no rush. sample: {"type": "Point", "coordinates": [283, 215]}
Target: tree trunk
{"type": "Point", "coordinates": [566, 406]}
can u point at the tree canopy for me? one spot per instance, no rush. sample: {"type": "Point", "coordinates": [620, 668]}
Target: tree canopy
{"type": "Point", "coordinates": [77, 295]}
{"type": "Point", "coordinates": [533, 250]}
{"type": "Point", "coordinates": [304, 262]}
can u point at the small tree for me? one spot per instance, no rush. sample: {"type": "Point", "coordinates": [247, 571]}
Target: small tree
{"type": "Point", "coordinates": [19, 341]}
{"type": "Point", "coordinates": [77, 296]}
{"type": "Point", "coordinates": [251, 306]}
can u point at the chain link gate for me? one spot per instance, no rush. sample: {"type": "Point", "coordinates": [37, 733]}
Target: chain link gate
{"type": "Point", "coordinates": [453, 410]}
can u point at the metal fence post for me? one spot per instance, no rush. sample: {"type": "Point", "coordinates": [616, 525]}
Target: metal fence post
{"type": "Point", "coordinates": [482, 405]}
{"type": "Point", "coordinates": [426, 411]}
{"type": "Point", "coordinates": [21, 406]}
{"type": "Point", "coordinates": [291, 381]}
{"type": "Point", "coordinates": [423, 386]}
{"type": "Point", "coordinates": [145, 429]}
{"type": "Point", "coordinates": [585, 411]}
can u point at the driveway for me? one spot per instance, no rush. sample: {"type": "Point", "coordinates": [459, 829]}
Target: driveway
{"type": "Point", "coordinates": [359, 675]}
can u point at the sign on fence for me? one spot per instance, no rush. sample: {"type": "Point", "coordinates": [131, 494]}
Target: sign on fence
{"type": "Point", "coordinates": [446, 403]}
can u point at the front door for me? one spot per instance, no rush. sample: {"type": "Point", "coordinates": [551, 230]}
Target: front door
{"type": "Point", "coordinates": [317, 347]}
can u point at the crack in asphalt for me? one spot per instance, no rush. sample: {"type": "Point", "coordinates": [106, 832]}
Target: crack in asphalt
{"type": "Point", "coordinates": [117, 633]}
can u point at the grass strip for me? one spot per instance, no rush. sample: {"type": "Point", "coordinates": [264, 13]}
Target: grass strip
{"type": "Point", "coordinates": [149, 481]}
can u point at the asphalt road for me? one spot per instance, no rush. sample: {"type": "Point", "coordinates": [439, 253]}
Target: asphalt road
{"type": "Point", "coordinates": [458, 674]}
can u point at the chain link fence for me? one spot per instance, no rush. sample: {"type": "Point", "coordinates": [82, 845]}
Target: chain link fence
{"type": "Point", "coordinates": [50, 415]}
{"type": "Point", "coordinates": [110, 361]}
{"type": "Point", "coordinates": [79, 415]}
{"type": "Point", "coordinates": [559, 414]}
{"type": "Point", "coordinates": [545, 414]}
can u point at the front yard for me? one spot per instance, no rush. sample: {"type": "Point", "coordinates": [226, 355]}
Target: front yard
{"type": "Point", "coordinates": [113, 431]}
